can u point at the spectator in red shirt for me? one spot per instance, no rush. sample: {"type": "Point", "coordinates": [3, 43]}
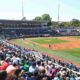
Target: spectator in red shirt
{"type": "Point", "coordinates": [4, 64]}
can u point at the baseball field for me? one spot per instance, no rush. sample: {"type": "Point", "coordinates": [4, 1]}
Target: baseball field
{"type": "Point", "coordinates": [60, 48]}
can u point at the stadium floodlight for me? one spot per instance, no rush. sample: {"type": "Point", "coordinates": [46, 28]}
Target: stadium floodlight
{"type": "Point", "coordinates": [58, 12]}
{"type": "Point", "coordinates": [22, 9]}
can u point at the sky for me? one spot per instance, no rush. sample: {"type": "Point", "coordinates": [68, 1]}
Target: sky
{"type": "Point", "coordinates": [12, 9]}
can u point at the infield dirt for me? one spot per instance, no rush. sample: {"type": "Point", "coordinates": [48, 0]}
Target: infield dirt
{"type": "Point", "coordinates": [73, 43]}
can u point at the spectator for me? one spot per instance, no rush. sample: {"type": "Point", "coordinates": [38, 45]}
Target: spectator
{"type": "Point", "coordinates": [19, 66]}
{"type": "Point", "coordinates": [3, 75]}
{"type": "Point", "coordinates": [32, 68]}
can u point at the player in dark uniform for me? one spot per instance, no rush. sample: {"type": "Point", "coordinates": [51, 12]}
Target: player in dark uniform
{"type": "Point", "coordinates": [49, 45]}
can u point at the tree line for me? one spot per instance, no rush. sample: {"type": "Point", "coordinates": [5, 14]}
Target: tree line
{"type": "Point", "coordinates": [46, 17]}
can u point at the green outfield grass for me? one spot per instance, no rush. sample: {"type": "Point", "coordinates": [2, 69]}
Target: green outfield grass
{"type": "Point", "coordinates": [48, 40]}
{"type": "Point", "coordinates": [68, 54]}
{"type": "Point", "coordinates": [71, 54]}
{"type": "Point", "coordinates": [75, 36]}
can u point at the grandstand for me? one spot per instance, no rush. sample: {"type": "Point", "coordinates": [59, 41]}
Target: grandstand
{"type": "Point", "coordinates": [68, 31]}
{"type": "Point", "coordinates": [19, 28]}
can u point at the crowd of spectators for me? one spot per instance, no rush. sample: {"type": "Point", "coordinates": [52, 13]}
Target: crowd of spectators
{"type": "Point", "coordinates": [17, 63]}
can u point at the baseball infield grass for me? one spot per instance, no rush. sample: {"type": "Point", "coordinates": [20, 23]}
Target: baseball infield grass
{"type": "Point", "coordinates": [68, 54]}
{"type": "Point", "coordinates": [48, 40]}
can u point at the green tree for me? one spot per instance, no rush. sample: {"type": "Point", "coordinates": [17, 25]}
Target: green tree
{"type": "Point", "coordinates": [54, 24]}
{"type": "Point", "coordinates": [75, 22]}
{"type": "Point", "coordinates": [38, 18]}
{"type": "Point", "coordinates": [46, 17]}
{"type": "Point", "coordinates": [24, 19]}
{"type": "Point", "coordinates": [64, 24]}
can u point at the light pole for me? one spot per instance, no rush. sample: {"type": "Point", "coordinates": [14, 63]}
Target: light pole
{"type": "Point", "coordinates": [22, 9]}
{"type": "Point", "coordinates": [58, 12]}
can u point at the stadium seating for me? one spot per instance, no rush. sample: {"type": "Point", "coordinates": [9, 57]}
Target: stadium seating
{"type": "Point", "coordinates": [26, 64]}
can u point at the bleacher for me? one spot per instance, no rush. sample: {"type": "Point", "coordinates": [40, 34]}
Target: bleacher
{"type": "Point", "coordinates": [26, 64]}
{"type": "Point", "coordinates": [14, 28]}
